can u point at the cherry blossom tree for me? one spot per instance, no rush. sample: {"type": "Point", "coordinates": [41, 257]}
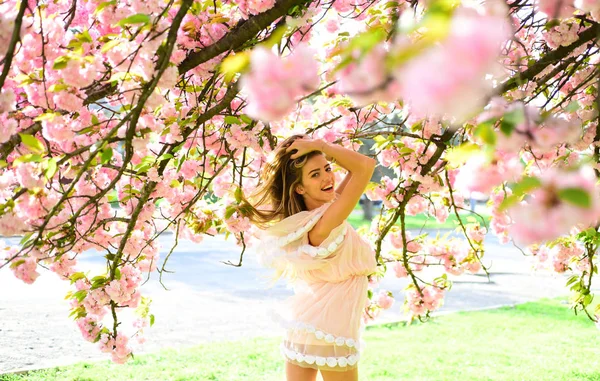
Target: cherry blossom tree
{"type": "Point", "coordinates": [171, 108]}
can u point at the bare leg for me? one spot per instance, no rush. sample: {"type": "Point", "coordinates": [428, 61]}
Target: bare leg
{"type": "Point", "coordinates": [349, 375]}
{"type": "Point", "coordinates": [294, 372]}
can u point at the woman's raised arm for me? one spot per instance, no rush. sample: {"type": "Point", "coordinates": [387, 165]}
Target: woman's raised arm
{"type": "Point", "coordinates": [361, 169]}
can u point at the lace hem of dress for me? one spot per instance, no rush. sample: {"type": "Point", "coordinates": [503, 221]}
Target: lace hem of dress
{"type": "Point", "coordinates": [319, 360]}
{"type": "Point", "coordinates": [321, 334]}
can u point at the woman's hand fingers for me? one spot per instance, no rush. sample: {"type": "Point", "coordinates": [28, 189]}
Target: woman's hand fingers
{"type": "Point", "coordinates": [297, 145]}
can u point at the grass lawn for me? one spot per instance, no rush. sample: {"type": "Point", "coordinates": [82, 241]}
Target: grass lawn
{"type": "Point", "coordinates": [420, 220]}
{"type": "Point", "coordinates": [538, 341]}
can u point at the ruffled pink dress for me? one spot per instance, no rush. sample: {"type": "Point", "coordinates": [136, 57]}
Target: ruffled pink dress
{"type": "Point", "coordinates": [323, 319]}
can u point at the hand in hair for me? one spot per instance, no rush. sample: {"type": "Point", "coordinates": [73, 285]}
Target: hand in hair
{"type": "Point", "coordinates": [304, 146]}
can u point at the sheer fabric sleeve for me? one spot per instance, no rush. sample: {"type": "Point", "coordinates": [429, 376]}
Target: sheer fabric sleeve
{"type": "Point", "coordinates": [286, 248]}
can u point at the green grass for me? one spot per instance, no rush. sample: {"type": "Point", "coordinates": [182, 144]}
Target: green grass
{"type": "Point", "coordinates": [538, 341]}
{"type": "Point", "coordinates": [420, 220]}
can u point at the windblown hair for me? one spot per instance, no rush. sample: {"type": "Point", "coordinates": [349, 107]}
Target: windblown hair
{"type": "Point", "coordinates": [276, 187]}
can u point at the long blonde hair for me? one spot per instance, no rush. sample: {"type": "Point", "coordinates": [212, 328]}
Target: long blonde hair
{"type": "Point", "coordinates": [277, 186]}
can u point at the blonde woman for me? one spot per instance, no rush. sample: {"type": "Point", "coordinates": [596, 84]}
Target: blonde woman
{"type": "Point", "coordinates": [306, 238]}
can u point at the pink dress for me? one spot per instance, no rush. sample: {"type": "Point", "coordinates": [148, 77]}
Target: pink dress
{"type": "Point", "coordinates": [323, 319]}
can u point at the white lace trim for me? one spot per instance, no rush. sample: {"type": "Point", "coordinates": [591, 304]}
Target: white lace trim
{"type": "Point", "coordinates": [321, 335]}
{"type": "Point", "coordinates": [284, 240]}
{"type": "Point", "coordinates": [319, 360]}
{"type": "Point", "coordinates": [275, 245]}
{"type": "Point", "coordinates": [320, 252]}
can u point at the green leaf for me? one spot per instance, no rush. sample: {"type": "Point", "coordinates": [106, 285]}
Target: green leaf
{"type": "Point", "coordinates": [107, 154]}
{"type": "Point", "coordinates": [85, 130]}
{"type": "Point", "coordinates": [238, 194]}
{"type": "Point", "coordinates": [103, 5]}
{"type": "Point", "coordinates": [276, 36]}
{"type": "Point", "coordinates": [508, 202]}
{"type": "Point", "coordinates": [57, 87]}
{"type": "Point", "coordinates": [61, 62]}
{"type": "Point", "coordinates": [139, 18]}
{"type": "Point", "coordinates": [551, 24]}
{"type": "Point", "coordinates": [510, 120]}
{"type": "Point", "coordinates": [32, 143]}
{"type": "Point", "coordinates": [506, 127]}
{"type": "Point", "coordinates": [527, 184]}
{"type": "Point", "coordinates": [25, 238]}
{"type": "Point", "coordinates": [76, 276]}
{"type": "Point", "coordinates": [36, 158]}
{"type": "Point", "coordinates": [46, 116]}
{"type": "Point", "coordinates": [229, 119]}
{"type": "Point", "coordinates": [246, 119]}
{"type": "Point", "coordinates": [572, 279]}
{"type": "Point", "coordinates": [109, 45]}
{"type": "Point", "coordinates": [486, 132]}
{"type": "Point", "coordinates": [234, 64]}
{"type": "Point", "coordinates": [80, 295]}
{"type": "Point", "coordinates": [165, 156]}
{"type": "Point", "coordinates": [151, 320]}
{"type": "Point", "coordinates": [51, 169]}
{"type": "Point", "coordinates": [367, 40]}
{"type": "Point", "coordinates": [457, 156]}
{"type": "Point", "coordinates": [229, 211]}
{"type": "Point", "coordinates": [576, 196]}
{"type": "Point", "coordinates": [84, 36]}
{"type": "Point", "coordinates": [379, 139]}
{"type": "Point", "coordinates": [572, 107]}
{"type": "Point", "coordinates": [16, 264]}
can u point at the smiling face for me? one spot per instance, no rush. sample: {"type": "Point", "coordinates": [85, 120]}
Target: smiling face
{"type": "Point", "coordinates": [318, 183]}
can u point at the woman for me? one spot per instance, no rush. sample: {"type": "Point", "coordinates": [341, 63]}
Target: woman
{"type": "Point", "coordinates": [317, 250]}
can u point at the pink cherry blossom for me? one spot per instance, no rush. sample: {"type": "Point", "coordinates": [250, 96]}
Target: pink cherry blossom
{"type": "Point", "coordinates": [7, 100]}
{"type": "Point", "coordinates": [412, 245]}
{"type": "Point", "coordinates": [118, 348]}
{"type": "Point", "coordinates": [399, 269]}
{"type": "Point", "coordinates": [254, 7]}
{"type": "Point", "coordinates": [64, 266]}
{"type": "Point", "coordinates": [430, 300]}
{"type": "Point", "coordinates": [477, 175]}
{"type": "Point", "coordinates": [587, 5]}
{"type": "Point", "coordinates": [29, 175]}
{"type": "Point", "coordinates": [385, 299]}
{"type": "Point", "coordinates": [544, 215]}
{"type": "Point", "coordinates": [367, 79]}
{"type": "Point", "coordinates": [476, 233]}
{"type": "Point", "coordinates": [89, 327]}
{"type": "Point", "coordinates": [449, 79]}
{"type": "Point", "coordinates": [25, 269]}
{"type": "Point", "coordinates": [8, 127]}
{"type": "Point", "coordinates": [556, 8]}
{"type": "Point", "coordinates": [274, 84]}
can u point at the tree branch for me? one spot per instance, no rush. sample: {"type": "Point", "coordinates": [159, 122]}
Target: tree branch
{"type": "Point", "coordinates": [7, 147]}
{"type": "Point", "coordinates": [239, 35]}
{"type": "Point", "coordinates": [16, 36]}
{"type": "Point", "coordinates": [548, 59]}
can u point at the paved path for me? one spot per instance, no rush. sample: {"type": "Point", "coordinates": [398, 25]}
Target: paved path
{"type": "Point", "coordinates": [209, 301]}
